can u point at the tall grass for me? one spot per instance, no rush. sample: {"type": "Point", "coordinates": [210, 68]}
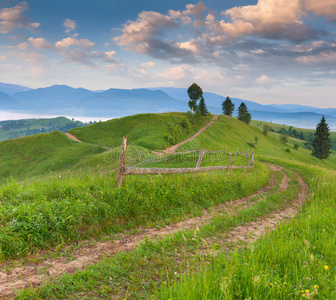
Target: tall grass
{"type": "Point", "coordinates": [61, 210]}
{"type": "Point", "coordinates": [297, 261]}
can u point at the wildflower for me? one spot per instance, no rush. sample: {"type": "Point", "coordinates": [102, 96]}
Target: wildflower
{"type": "Point", "coordinates": [307, 291]}
{"type": "Point", "coordinates": [326, 267]}
{"type": "Point", "coordinates": [316, 286]}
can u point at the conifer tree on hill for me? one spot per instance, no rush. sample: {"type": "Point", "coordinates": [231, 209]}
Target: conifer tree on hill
{"type": "Point", "coordinates": [243, 113]}
{"type": "Point", "coordinates": [228, 107]}
{"type": "Point", "coordinates": [322, 142]}
{"type": "Point", "coordinates": [202, 107]}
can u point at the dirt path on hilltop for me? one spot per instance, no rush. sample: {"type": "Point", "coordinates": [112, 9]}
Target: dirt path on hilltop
{"type": "Point", "coordinates": [172, 149]}
{"type": "Point", "coordinates": [72, 137]}
{"type": "Point", "coordinates": [35, 274]}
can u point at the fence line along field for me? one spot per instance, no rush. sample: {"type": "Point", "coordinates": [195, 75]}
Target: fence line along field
{"type": "Point", "coordinates": [123, 170]}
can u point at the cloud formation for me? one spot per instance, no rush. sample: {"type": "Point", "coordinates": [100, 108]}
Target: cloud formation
{"type": "Point", "coordinates": [69, 25]}
{"type": "Point", "coordinates": [13, 17]}
{"type": "Point", "coordinates": [220, 38]}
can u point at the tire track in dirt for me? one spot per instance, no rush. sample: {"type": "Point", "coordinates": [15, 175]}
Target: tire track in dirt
{"type": "Point", "coordinates": [252, 231]}
{"type": "Point", "coordinates": [35, 274]}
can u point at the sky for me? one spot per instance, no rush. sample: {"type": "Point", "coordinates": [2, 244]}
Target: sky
{"type": "Point", "coordinates": [267, 51]}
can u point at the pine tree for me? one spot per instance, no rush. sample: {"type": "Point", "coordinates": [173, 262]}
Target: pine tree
{"type": "Point", "coordinates": [202, 107]}
{"type": "Point", "coordinates": [228, 106]}
{"type": "Point", "coordinates": [242, 110]}
{"type": "Point", "coordinates": [322, 143]}
{"type": "Point", "coordinates": [194, 92]}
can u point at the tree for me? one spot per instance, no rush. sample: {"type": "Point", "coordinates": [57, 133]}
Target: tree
{"type": "Point", "coordinates": [202, 107]}
{"type": "Point", "coordinates": [194, 92]}
{"type": "Point", "coordinates": [228, 107]}
{"type": "Point", "coordinates": [283, 138]}
{"type": "Point", "coordinates": [243, 114]}
{"type": "Point", "coordinates": [266, 128]}
{"type": "Point", "coordinates": [322, 143]}
{"type": "Point", "coordinates": [247, 118]}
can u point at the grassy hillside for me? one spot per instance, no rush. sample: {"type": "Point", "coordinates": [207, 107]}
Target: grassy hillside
{"type": "Point", "coordinates": [153, 131]}
{"type": "Point", "coordinates": [41, 154]}
{"type": "Point", "coordinates": [229, 133]}
{"type": "Point", "coordinates": [19, 128]}
{"type": "Point", "coordinates": [69, 201]}
{"type": "Point", "coordinates": [308, 134]}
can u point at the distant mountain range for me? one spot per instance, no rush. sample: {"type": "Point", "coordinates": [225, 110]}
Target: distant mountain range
{"type": "Point", "coordinates": [65, 100]}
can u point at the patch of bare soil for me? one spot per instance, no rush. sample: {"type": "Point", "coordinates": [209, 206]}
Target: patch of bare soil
{"type": "Point", "coordinates": [34, 274]}
{"type": "Point", "coordinates": [72, 137]}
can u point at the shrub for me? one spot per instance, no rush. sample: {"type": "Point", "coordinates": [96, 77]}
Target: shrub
{"type": "Point", "coordinates": [296, 146]}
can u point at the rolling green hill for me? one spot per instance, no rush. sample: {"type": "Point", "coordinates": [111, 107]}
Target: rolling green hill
{"type": "Point", "coordinates": [41, 154]}
{"type": "Point", "coordinates": [19, 128]}
{"type": "Point", "coordinates": [152, 131]}
{"type": "Point", "coordinates": [61, 196]}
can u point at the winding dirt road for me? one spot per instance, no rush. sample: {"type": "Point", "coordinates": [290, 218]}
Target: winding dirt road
{"type": "Point", "coordinates": [33, 274]}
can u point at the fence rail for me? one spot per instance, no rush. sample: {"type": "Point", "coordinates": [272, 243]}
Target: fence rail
{"type": "Point", "coordinates": [124, 171]}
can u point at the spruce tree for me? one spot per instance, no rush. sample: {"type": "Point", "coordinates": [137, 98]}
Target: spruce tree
{"type": "Point", "coordinates": [202, 107]}
{"type": "Point", "coordinates": [228, 107]}
{"type": "Point", "coordinates": [243, 114]}
{"type": "Point", "coordinates": [322, 142]}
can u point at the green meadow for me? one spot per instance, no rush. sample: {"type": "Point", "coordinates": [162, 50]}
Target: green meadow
{"type": "Point", "coordinates": [57, 193]}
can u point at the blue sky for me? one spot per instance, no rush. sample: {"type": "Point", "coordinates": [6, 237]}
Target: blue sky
{"type": "Point", "coordinates": [268, 51]}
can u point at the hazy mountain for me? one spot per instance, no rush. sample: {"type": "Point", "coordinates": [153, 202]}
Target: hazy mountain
{"type": "Point", "coordinates": [65, 100]}
{"type": "Point", "coordinates": [215, 100]}
{"type": "Point", "coordinates": [11, 89]}
{"type": "Point", "coordinates": [6, 101]}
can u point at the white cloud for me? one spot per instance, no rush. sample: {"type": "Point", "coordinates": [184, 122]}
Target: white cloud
{"type": "Point", "coordinates": [3, 58]}
{"type": "Point", "coordinates": [175, 73]}
{"type": "Point", "coordinates": [147, 65]}
{"type": "Point", "coordinates": [138, 35]}
{"type": "Point", "coordinates": [70, 41]}
{"type": "Point", "coordinates": [12, 17]}
{"type": "Point", "coordinates": [69, 25]}
{"type": "Point", "coordinates": [40, 43]}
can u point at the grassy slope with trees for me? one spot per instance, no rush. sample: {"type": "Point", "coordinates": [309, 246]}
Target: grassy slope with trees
{"type": "Point", "coordinates": [54, 210]}
{"type": "Point", "coordinates": [25, 127]}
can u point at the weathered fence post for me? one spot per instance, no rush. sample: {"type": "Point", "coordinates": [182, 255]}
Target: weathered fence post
{"type": "Point", "coordinates": [120, 177]}
{"type": "Point", "coordinates": [252, 159]}
{"type": "Point", "coordinates": [247, 151]}
{"type": "Point", "coordinates": [200, 158]}
{"type": "Point", "coordinates": [229, 165]}
{"type": "Point", "coordinates": [248, 164]}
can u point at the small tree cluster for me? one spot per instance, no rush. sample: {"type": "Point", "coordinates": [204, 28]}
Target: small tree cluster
{"type": "Point", "coordinates": [195, 93]}
{"type": "Point", "coordinates": [243, 113]}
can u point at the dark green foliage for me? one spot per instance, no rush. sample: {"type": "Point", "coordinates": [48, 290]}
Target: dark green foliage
{"type": "Point", "coordinates": [247, 118]}
{"type": "Point", "coordinates": [202, 107]}
{"type": "Point", "coordinates": [322, 143]}
{"type": "Point", "coordinates": [194, 92]}
{"type": "Point", "coordinates": [288, 150]}
{"type": "Point", "coordinates": [243, 114]}
{"type": "Point", "coordinates": [266, 128]}
{"type": "Point", "coordinates": [296, 146]}
{"type": "Point", "coordinates": [228, 107]}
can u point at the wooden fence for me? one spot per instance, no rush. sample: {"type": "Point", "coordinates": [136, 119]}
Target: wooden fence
{"type": "Point", "coordinates": [124, 170]}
